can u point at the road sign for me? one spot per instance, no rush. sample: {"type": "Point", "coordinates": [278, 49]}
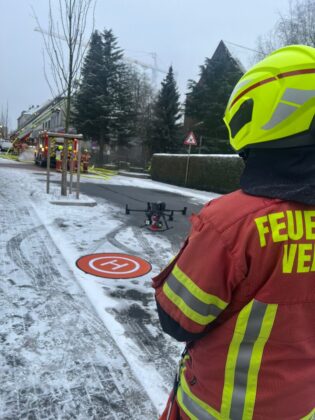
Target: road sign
{"type": "Point", "coordinates": [114, 266]}
{"type": "Point", "coordinates": [190, 139]}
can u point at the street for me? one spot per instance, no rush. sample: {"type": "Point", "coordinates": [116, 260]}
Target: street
{"type": "Point", "coordinates": [137, 198]}
{"type": "Point", "coordinates": [74, 345]}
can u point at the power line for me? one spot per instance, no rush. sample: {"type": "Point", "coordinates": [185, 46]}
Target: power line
{"type": "Point", "coordinates": [245, 48]}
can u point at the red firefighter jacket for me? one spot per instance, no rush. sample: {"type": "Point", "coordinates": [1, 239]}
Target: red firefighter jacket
{"type": "Point", "coordinates": [244, 285]}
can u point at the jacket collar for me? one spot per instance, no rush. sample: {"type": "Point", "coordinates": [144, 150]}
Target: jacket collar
{"type": "Point", "coordinates": [287, 174]}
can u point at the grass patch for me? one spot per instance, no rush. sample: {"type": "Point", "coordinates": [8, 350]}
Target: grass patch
{"type": "Point", "coordinates": [9, 156]}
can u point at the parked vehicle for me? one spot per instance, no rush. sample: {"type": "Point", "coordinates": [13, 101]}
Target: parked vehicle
{"type": "Point", "coordinates": [5, 145]}
{"type": "Point", "coordinates": [41, 151]}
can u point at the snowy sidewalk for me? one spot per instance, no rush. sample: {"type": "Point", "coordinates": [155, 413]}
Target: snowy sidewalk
{"type": "Point", "coordinates": [58, 360]}
{"type": "Point", "coordinates": [75, 346]}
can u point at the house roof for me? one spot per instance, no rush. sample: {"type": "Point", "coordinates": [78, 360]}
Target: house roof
{"type": "Point", "coordinates": [41, 112]}
{"type": "Point", "coordinates": [222, 51]}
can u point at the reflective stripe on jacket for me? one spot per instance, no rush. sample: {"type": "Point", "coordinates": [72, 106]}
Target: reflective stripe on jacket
{"type": "Point", "coordinates": [245, 282]}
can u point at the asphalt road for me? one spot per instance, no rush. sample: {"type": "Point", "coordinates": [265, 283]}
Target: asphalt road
{"type": "Point", "coordinates": [136, 198]}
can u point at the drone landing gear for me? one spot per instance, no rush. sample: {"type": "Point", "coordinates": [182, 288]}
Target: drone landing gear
{"type": "Point", "coordinates": [156, 216]}
{"type": "Point", "coordinates": [155, 224]}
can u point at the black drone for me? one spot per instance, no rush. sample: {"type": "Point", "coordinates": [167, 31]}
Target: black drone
{"type": "Point", "coordinates": [156, 214]}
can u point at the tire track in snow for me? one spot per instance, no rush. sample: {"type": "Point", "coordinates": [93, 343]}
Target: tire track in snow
{"type": "Point", "coordinates": [155, 349]}
{"type": "Point", "coordinates": [148, 252]}
{"type": "Point", "coordinates": [65, 363]}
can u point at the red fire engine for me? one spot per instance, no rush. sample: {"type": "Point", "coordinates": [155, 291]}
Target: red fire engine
{"type": "Point", "coordinates": [56, 152]}
{"type": "Point", "coordinates": [41, 150]}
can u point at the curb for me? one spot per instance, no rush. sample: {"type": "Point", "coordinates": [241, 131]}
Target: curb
{"type": "Point", "coordinates": [134, 174]}
{"type": "Point", "coordinates": [73, 203]}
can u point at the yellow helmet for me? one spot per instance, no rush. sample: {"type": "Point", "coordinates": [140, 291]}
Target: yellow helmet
{"type": "Point", "coordinates": [60, 147]}
{"type": "Point", "coordinates": [273, 104]}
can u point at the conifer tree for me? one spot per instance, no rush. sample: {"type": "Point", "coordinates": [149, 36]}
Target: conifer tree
{"type": "Point", "coordinates": [116, 94]}
{"type": "Point", "coordinates": [88, 106]}
{"type": "Point", "coordinates": [102, 106]}
{"type": "Point", "coordinates": [166, 129]}
{"type": "Point", "coordinates": [207, 99]}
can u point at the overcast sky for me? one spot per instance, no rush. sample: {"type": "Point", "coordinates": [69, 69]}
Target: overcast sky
{"type": "Point", "coordinates": [181, 32]}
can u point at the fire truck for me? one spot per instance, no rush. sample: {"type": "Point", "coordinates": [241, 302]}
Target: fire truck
{"type": "Point", "coordinates": [41, 149]}
{"type": "Point", "coordinates": [57, 146]}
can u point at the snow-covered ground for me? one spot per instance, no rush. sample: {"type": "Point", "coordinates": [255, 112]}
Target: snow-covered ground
{"type": "Point", "coordinates": [74, 345]}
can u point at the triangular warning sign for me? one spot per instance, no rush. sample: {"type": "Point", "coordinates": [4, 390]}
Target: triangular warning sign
{"type": "Point", "coordinates": [190, 139]}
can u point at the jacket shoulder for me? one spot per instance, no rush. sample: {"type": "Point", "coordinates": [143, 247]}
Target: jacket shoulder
{"type": "Point", "coordinates": [232, 208]}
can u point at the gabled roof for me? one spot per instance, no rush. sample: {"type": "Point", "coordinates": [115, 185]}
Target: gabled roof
{"type": "Point", "coordinates": [222, 52]}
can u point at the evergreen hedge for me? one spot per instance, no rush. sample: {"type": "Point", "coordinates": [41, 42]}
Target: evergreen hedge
{"type": "Point", "coordinates": [216, 173]}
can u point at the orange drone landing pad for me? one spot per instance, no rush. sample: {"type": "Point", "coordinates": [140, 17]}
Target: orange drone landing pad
{"type": "Point", "coordinates": [114, 266]}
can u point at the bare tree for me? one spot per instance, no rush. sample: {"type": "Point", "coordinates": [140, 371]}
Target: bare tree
{"type": "Point", "coordinates": [297, 26]}
{"type": "Point", "coordinates": [65, 49]}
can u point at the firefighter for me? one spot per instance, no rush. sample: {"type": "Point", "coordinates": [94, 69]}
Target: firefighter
{"type": "Point", "coordinates": [59, 158]}
{"type": "Point", "coordinates": [70, 158]}
{"type": "Point", "coordinates": [85, 158]}
{"type": "Point", "coordinates": [75, 158]}
{"type": "Point", "coordinates": [241, 291]}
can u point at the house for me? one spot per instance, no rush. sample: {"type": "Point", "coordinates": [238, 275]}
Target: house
{"type": "Point", "coordinates": [207, 99]}
{"type": "Point", "coordinates": [50, 117]}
